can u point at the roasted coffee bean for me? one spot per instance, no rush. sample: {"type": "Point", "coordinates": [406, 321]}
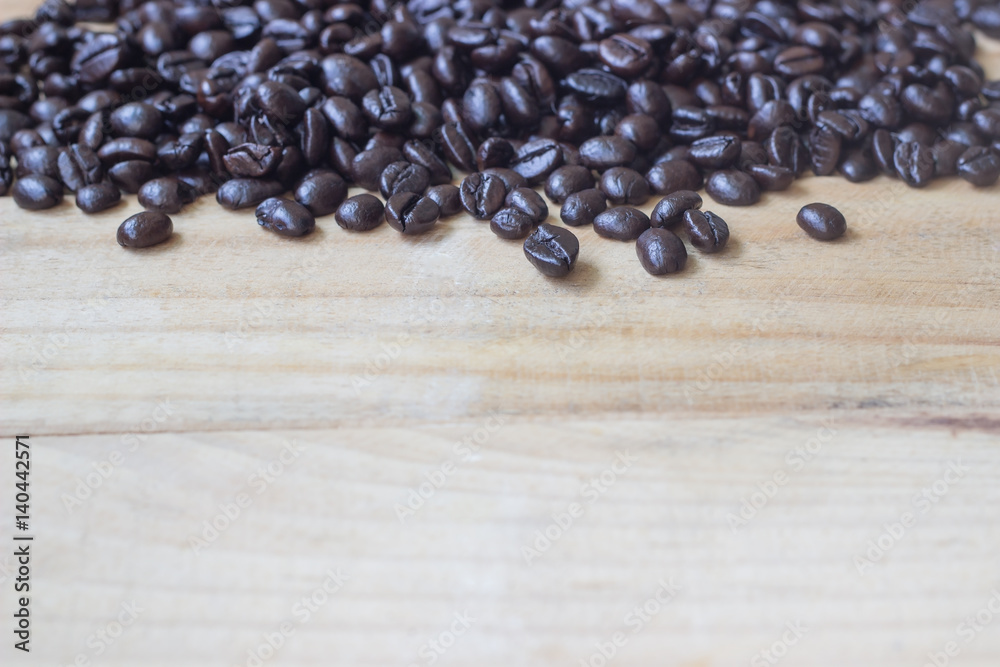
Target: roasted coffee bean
{"type": "Point", "coordinates": [980, 166]}
{"type": "Point", "coordinates": [457, 146]}
{"type": "Point", "coordinates": [360, 213]}
{"type": "Point", "coordinates": [668, 177]}
{"type": "Point", "coordinates": [914, 163]}
{"type": "Point", "coordinates": [580, 208]}
{"type": "Point", "coordinates": [180, 153]}
{"type": "Point", "coordinates": [926, 104]}
{"type": "Point", "coordinates": [821, 221]}
{"type": "Point", "coordinates": [128, 148]}
{"type": "Point", "coordinates": [403, 177]}
{"type": "Point", "coordinates": [136, 119]}
{"type": "Point", "coordinates": [387, 108]}
{"type": "Point", "coordinates": [247, 192]}
{"type": "Point", "coordinates": [605, 152]}
{"type": "Point", "coordinates": [367, 166]}
{"type": "Point", "coordinates": [410, 213]}
{"type": "Point", "coordinates": [39, 161]}
{"type": "Point", "coordinates": [733, 188]}
{"type": "Point", "coordinates": [719, 152]}
{"type": "Point", "coordinates": [528, 202]}
{"type": "Point", "coordinates": [824, 151]}
{"type": "Point", "coordinates": [566, 180]}
{"type": "Point", "coordinates": [131, 174]}
{"type": "Point", "coordinates": [252, 160]}
{"type": "Point", "coordinates": [145, 229]}
{"type": "Point", "coordinates": [660, 251]}
{"type": "Point", "coordinates": [321, 191]}
{"type": "Point", "coordinates": [97, 197]}
{"type": "Point", "coordinates": [482, 195]}
{"type": "Point", "coordinates": [883, 150]}
{"type": "Point", "coordinates": [166, 195]}
{"type": "Point", "coordinates": [623, 223]}
{"type": "Point", "coordinates": [285, 217]}
{"type": "Point", "coordinates": [946, 154]}
{"type": "Point", "coordinates": [552, 250]}
{"type": "Point", "coordinates": [770, 177]}
{"type": "Point", "coordinates": [419, 153]}
{"type": "Point", "coordinates": [622, 185]}
{"type": "Point", "coordinates": [537, 159]}
{"type": "Point", "coordinates": [669, 211]}
{"type": "Point", "coordinates": [447, 197]}
{"type": "Point", "coordinates": [510, 178]}
{"type": "Point", "coordinates": [494, 152]}
{"type": "Point", "coordinates": [640, 129]}
{"type": "Point", "coordinates": [707, 231]}
{"type": "Point", "coordinates": [511, 223]}
{"type": "Point", "coordinates": [36, 192]}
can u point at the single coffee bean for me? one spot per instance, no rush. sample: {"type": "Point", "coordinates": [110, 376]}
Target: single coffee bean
{"type": "Point", "coordinates": [528, 202]}
{"type": "Point", "coordinates": [858, 165]}
{"type": "Point", "coordinates": [668, 177]}
{"type": "Point", "coordinates": [535, 160]}
{"type": "Point", "coordinates": [660, 251]}
{"type": "Point", "coordinates": [97, 197]}
{"type": "Point", "coordinates": [246, 192]}
{"type": "Point", "coordinates": [566, 180]}
{"type": "Point", "coordinates": [410, 213]}
{"type": "Point", "coordinates": [733, 188]}
{"type": "Point", "coordinates": [821, 221]}
{"type": "Point", "coordinates": [252, 160]}
{"type": "Point", "coordinates": [367, 166]}
{"type": "Point", "coordinates": [131, 174]}
{"type": "Point", "coordinates": [719, 152]}
{"type": "Point", "coordinates": [670, 210]}
{"type": "Point", "coordinates": [145, 229]}
{"type": "Point", "coordinates": [79, 166]}
{"type": "Point", "coordinates": [39, 161]}
{"type": "Point", "coordinates": [447, 197]}
{"type": "Point", "coordinates": [360, 213]}
{"type": "Point", "coordinates": [580, 208]}
{"type": "Point", "coordinates": [136, 119]}
{"type": "Point", "coordinates": [914, 163]}
{"type": "Point", "coordinates": [321, 191]}
{"type": "Point", "coordinates": [707, 231]}
{"type": "Point", "coordinates": [36, 192]}
{"type": "Point", "coordinates": [417, 152]}
{"type": "Point", "coordinates": [640, 129]}
{"type": "Point", "coordinates": [511, 223]}
{"type": "Point", "coordinates": [622, 185]}
{"type": "Point", "coordinates": [166, 195]}
{"type": "Point", "coordinates": [770, 177]}
{"type": "Point", "coordinates": [605, 152]}
{"type": "Point", "coordinates": [552, 250]}
{"type": "Point", "coordinates": [285, 217]}
{"type": "Point", "coordinates": [623, 223]}
{"type": "Point", "coordinates": [482, 195]}
{"type": "Point", "coordinates": [403, 177]}
{"type": "Point", "coordinates": [980, 166]}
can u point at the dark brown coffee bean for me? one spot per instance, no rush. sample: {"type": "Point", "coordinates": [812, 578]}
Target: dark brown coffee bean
{"type": "Point", "coordinates": [97, 197]}
{"type": "Point", "coordinates": [38, 161]}
{"type": "Point", "coordinates": [822, 221]}
{"type": "Point", "coordinates": [946, 154]}
{"type": "Point", "coordinates": [914, 163]}
{"type": "Point", "coordinates": [770, 177]}
{"type": "Point", "coordinates": [797, 61]}
{"type": "Point", "coordinates": [367, 166]}
{"type": "Point", "coordinates": [136, 119]}
{"type": "Point", "coordinates": [457, 146]}
{"type": "Point", "coordinates": [623, 223]}
{"type": "Point", "coordinates": [511, 223]}
{"type": "Point", "coordinates": [166, 195]}
{"type": "Point", "coordinates": [660, 251]}
{"type": "Point", "coordinates": [510, 178]}
{"type": "Point", "coordinates": [285, 217]}
{"type": "Point", "coordinates": [528, 202]}
{"type": "Point", "coordinates": [552, 250]}
{"type": "Point", "coordinates": [719, 152]}
{"type": "Point", "coordinates": [127, 148]}
{"type": "Point", "coordinates": [252, 160]}
{"type": "Point", "coordinates": [403, 177]}
{"type": "Point", "coordinates": [321, 191]}
{"type": "Point", "coordinates": [566, 180]}
{"type": "Point", "coordinates": [605, 152]}
{"type": "Point", "coordinates": [131, 174]}
{"type": "Point", "coordinates": [669, 211]}
{"type": "Point", "coordinates": [980, 166]}
{"type": "Point", "coordinates": [247, 192]}
{"type": "Point", "coordinates": [145, 229]}
{"type": "Point", "coordinates": [36, 192]}
{"type": "Point", "coordinates": [580, 208]}
{"type": "Point", "coordinates": [410, 213]}
{"type": "Point", "coordinates": [733, 188]}
{"type": "Point", "coordinates": [708, 232]}
{"type": "Point", "coordinates": [622, 185]}
{"type": "Point", "coordinates": [387, 108]}
{"type": "Point", "coordinates": [494, 152]}
{"type": "Point", "coordinates": [668, 177]}
{"type": "Point", "coordinates": [360, 213]}
{"type": "Point", "coordinates": [447, 197]}
{"type": "Point", "coordinates": [883, 150]}
{"type": "Point", "coordinates": [824, 151]}
{"type": "Point", "coordinates": [537, 159]}
{"type": "Point", "coordinates": [420, 153]}
{"type": "Point", "coordinates": [482, 195]}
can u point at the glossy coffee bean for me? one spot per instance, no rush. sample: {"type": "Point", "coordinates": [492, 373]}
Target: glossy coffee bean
{"type": "Point", "coordinates": [321, 191]}
{"type": "Point", "coordinates": [403, 177]}
{"type": "Point", "coordinates": [537, 159]}
{"type": "Point", "coordinates": [822, 221]}
{"type": "Point", "coordinates": [622, 185]}
{"type": "Point", "coordinates": [668, 177]}
{"type": "Point", "coordinates": [528, 202]}
{"type": "Point", "coordinates": [145, 229]}
{"type": "Point", "coordinates": [980, 166]}
{"type": "Point", "coordinates": [733, 188]}
{"type": "Point", "coordinates": [719, 152]}
{"type": "Point", "coordinates": [448, 198]}
{"type": "Point", "coordinates": [35, 192]}
{"type": "Point", "coordinates": [368, 165]}
{"type": "Point", "coordinates": [580, 208]}
{"type": "Point", "coordinates": [914, 163]}
{"type": "Point", "coordinates": [770, 177]}
{"type": "Point", "coordinates": [623, 223]}
{"type": "Point", "coordinates": [669, 211]}
{"type": "Point", "coordinates": [360, 213]}
{"type": "Point", "coordinates": [660, 251]}
{"type": "Point", "coordinates": [97, 197]}
{"type": "Point", "coordinates": [246, 192]}
{"type": "Point", "coordinates": [708, 232]}
{"type": "Point", "coordinates": [285, 217]}
{"type": "Point", "coordinates": [79, 166]}
{"type": "Point", "coordinates": [482, 195]}
{"type": "Point", "coordinates": [511, 223]}
{"type": "Point", "coordinates": [566, 180]}
{"type": "Point", "coordinates": [166, 195]}
{"type": "Point", "coordinates": [552, 250]}
{"type": "Point", "coordinates": [602, 153]}
{"type": "Point", "coordinates": [411, 214]}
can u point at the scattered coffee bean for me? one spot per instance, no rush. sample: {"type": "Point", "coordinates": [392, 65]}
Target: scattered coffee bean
{"type": "Point", "coordinates": [404, 177]}
{"type": "Point", "coordinates": [35, 192]}
{"type": "Point", "coordinates": [482, 195]}
{"type": "Point", "coordinates": [145, 229]}
{"type": "Point", "coordinates": [822, 221]}
{"type": "Point", "coordinates": [622, 185]}
{"type": "Point", "coordinates": [321, 191]}
{"type": "Point", "coordinates": [360, 213]}
{"type": "Point", "coordinates": [733, 188]}
{"type": "Point", "coordinates": [97, 197]}
{"type": "Point", "coordinates": [623, 223]}
{"type": "Point", "coordinates": [246, 192]}
{"type": "Point", "coordinates": [660, 251]}
{"type": "Point", "coordinates": [511, 223]}
{"type": "Point", "coordinates": [669, 211]}
{"type": "Point", "coordinates": [285, 217]}
{"type": "Point", "coordinates": [447, 197]}
{"type": "Point", "coordinates": [707, 231]}
{"type": "Point", "coordinates": [552, 250]}
{"type": "Point", "coordinates": [582, 207]}
{"type": "Point", "coordinates": [166, 195]}
{"type": "Point", "coordinates": [410, 213]}
{"type": "Point", "coordinates": [567, 180]}
{"type": "Point", "coordinates": [528, 202]}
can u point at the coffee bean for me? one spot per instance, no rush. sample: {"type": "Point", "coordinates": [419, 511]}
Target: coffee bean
{"type": "Point", "coordinates": [770, 177]}
{"type": "Point", "coordinates": [623, 223]}
{"type": "Point", "coordinates": [360, 213]}
{"type": "Point", "coordinates": [670, 210]}
{"type": "Point", "coordinates": [387, 108]}
{"type": "Point", "coordinates": [36, 192]}
{"type": "Point", "coordinates": [285, 217]}
{"type": "Point", "coordinates": [537, 159]}
{"type": "Point", "coordinates": [419, 153]}
{"type": "Point", "coordinates": [566, 180]}
{"type": "Point", "coordinates": [622, 185]}
{"type": "Point", "coordinates": [403, 177]}
{"type": "Point", "coordinates": [145, 229]}
{"type": "Point", "coordinates": [718, 152]}
{"type": "Point", "coordinates": [136, 119]}
{"type": "Point", "coordinates": [482, 195]}
{"type": "Point", "coordinates": [733, 188]}
{"type": "Point", "coordinates": [580, 208]}
{"type": "Point", "coordinates": [528, 202]}
{"type": "Point", "coordinates": [708, 232]}
{"type": "Point", "coordinates": [980, 166]}
{"type": "Point", "coordinates": [39, 161]}
{"type": "Point", "coordinates": [131, 174]}
{"type": "Point", "coordinates": [668, 177]}
{"type": "Point", "coordinates": [166, 195]}
{"type": "Point", "coordinates": [457, 146]}
{"type": "Point", "coordinates": [367, 166]}
{"type": "Point", "coordinates": [246, 192]}
{"type": "Point", "coordinates": [822, 221]}
{"type": "Point", "coordinates": [447, 197]}
{"type": "Point", "coordinates": [97, 197]}
{"type": "Point", "coordinates": [321, 191]}
{"type": "Point", "coordinates": [914, 163]}
{"type": "Point", "coordinates": [511, 223]}
{"type": "Point", "coordinates": [552, 250]}
{"type": "Point", "coordinates": [252, 160]}
{"type": "Point", "coordinates": [605, 152]}
{"type": "Point", "coordinates": [660, 251]}
{"type": "Point", "coordinates": [410, 213]}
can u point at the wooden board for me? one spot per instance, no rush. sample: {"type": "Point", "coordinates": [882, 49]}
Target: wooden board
{"type": "Point", "coordinates": [197, 359]}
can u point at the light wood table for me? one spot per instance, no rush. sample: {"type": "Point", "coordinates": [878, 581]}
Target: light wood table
{"type": "Point", "coordinates": [741, 440]}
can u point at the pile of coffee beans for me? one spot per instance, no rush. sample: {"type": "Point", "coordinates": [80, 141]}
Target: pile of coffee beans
{"type": "Point", "coordinates": [603, 104]}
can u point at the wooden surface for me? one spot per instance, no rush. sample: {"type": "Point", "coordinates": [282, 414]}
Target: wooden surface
{"type": "Point", "coordinates": [198, 359]}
